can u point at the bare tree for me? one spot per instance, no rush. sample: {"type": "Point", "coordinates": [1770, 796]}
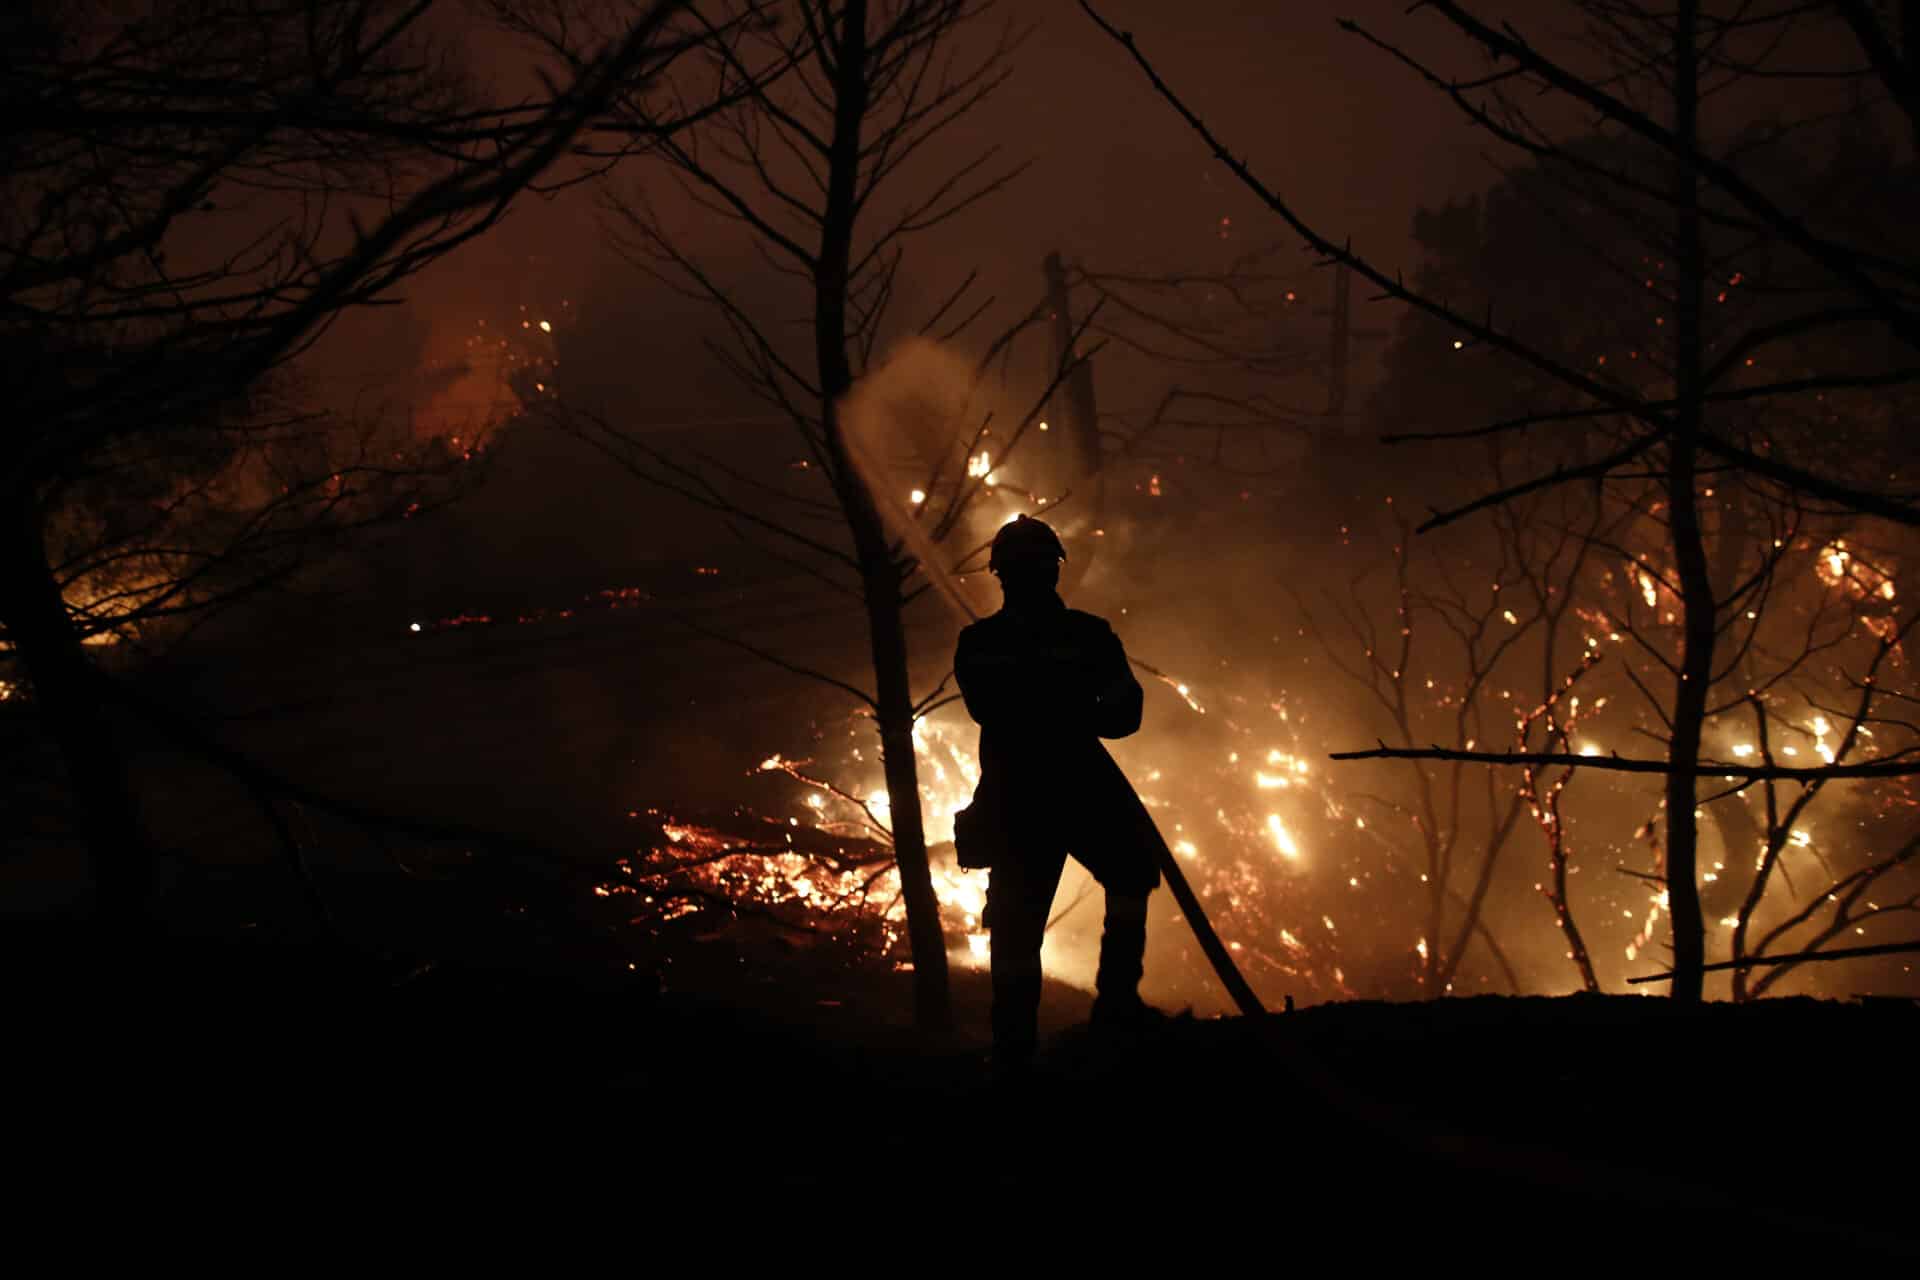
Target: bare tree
{"type": "Point", "coordinates": [818, 167]}
{"type": "Point", "coordinates": [1699, 209]}
{"type": "Point", "coordinates": [1465, 635]}
{"type": "Point", "coordinates": [193, 192]}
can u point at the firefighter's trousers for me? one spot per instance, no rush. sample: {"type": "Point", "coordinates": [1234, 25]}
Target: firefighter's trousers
{"type": "Point", "coordinates": [1020, 893]}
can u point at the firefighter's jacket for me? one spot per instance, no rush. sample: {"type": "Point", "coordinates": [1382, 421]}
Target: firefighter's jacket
{"type": "Point", "coordinates": [1046, 683]}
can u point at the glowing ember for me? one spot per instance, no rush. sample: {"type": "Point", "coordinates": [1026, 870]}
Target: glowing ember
{"type": "Point", "coordinates": [1282, 839]}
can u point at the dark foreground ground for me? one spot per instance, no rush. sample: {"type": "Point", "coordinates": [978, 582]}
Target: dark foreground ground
{"type": "Point", "coordinates": [787, 1094]}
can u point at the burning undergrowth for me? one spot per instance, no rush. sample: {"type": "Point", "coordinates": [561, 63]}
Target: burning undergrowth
{"type": "Point", "coordinates": [1312, 872]}
{"type": "Point", "coordinates": [1291, 876]}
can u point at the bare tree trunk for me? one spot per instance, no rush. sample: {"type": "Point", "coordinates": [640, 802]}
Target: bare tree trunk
{"type": "Point", "coordinates": [1689, 548]}
{"type": "Point", "coordinates": [1740, 836]}
{"type": "Point", "coordinates": [1471, 908]}
{"type": "Point", "coordinates": [1563, 917]}
{"type": "Point", "coordinates": [65, 693]}
{"type": "Point", "coordinates": [879, 569]}
{"type": "Point", "coordinates": [932, 1007]}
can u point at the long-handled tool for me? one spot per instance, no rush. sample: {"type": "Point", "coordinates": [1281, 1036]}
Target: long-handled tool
{"type": "Point", "coordinates": [1216, 952]}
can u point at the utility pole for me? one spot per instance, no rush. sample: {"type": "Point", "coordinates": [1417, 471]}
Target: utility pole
{"type": "Point", "coordinates": [1082, 418]}
{"type": "Point", "coordinates": [1340, 345]}
{"type": "Point", "coordinates": [1086, 479]}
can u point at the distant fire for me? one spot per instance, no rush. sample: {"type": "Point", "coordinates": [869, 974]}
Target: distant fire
{"type": "Point", "coordinates": [475, 377]}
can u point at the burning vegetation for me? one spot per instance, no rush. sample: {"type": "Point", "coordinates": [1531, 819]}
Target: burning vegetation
{"type": "Point", "coordinates": [1542, 635]}
{"type": "Point", "coordinates": [827, 866]}
{"type": "Point", "coordinates": [1634, 695]}
{"type": "Point", "coordinates": [554, 660]}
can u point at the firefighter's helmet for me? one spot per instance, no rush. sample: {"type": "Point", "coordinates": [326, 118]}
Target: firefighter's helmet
{"type": "Point", "coordinates": [1024, 540]}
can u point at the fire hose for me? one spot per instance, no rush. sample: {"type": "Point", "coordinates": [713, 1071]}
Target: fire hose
{"type": "Point", "coordinates": [1216, 952]}
{"type": "Point", "coordinates": [1210, 945]}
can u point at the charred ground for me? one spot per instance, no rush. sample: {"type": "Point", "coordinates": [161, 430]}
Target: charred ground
{"type": "Point", "coordinates": [798, 1070]}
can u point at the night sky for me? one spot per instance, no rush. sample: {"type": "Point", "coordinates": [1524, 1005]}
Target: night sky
{"type": "Point", "coordinates": [1116, 180]}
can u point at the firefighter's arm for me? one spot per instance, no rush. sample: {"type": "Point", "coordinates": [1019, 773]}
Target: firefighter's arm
{"type": "Point", "coordinates": [1119, 701]}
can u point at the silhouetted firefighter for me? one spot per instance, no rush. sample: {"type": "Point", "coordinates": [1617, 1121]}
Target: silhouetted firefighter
{"type": "Point", "coordinates": [1046, 683]}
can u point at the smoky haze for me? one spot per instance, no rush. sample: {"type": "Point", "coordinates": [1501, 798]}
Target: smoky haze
{"type": "Point", "coordinates": [1113, 181]}
{"type": "Point", "coordinates": [1208, 554]}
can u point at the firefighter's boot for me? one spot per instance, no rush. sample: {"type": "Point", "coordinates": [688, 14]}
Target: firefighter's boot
{"type": "Point", "coordinates": [1123, 950]}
